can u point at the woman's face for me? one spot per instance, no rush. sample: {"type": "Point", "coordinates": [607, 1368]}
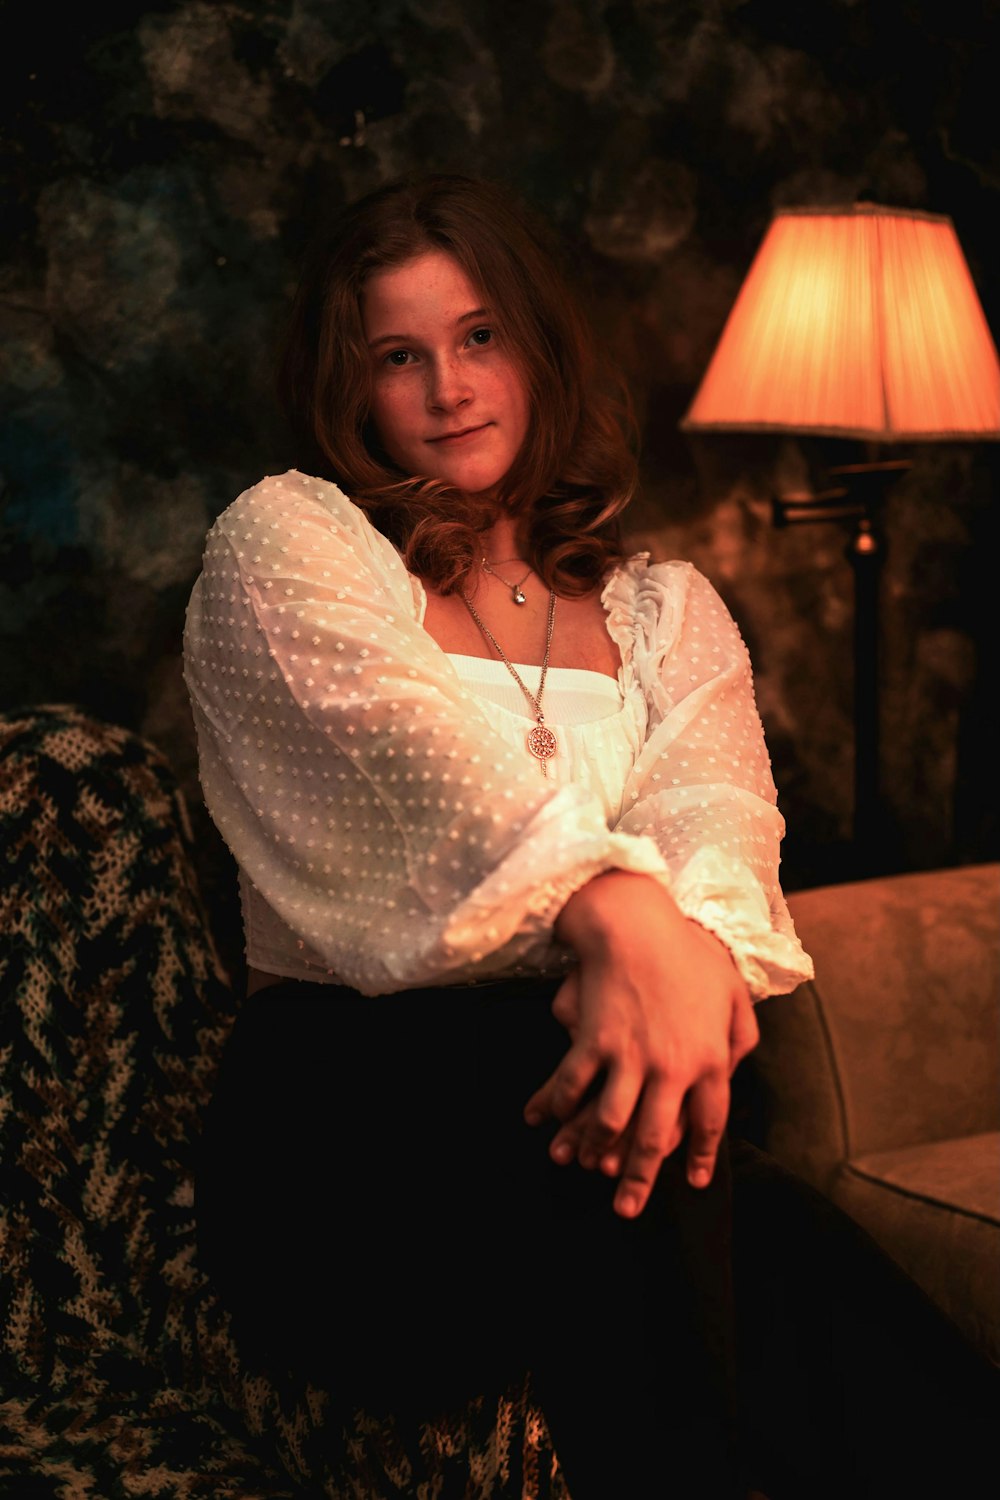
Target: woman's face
{"type": "Point", "coordinates": [448, 401]}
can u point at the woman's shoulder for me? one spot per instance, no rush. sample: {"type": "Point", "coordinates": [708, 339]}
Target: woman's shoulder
{"type": "Point", "coordinates": [654, 605]}
{"type": "Point", "coordinates": [279, 499]}
{"type": "Point", "coordinates": [312, 518]}
{"type": "Point", "coordinates": [640, 584]}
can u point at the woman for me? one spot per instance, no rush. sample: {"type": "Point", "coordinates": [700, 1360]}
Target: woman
{"type": "Point", "coordinates": [508, 849]}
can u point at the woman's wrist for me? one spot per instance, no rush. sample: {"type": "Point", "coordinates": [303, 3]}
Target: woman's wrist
{"type": "Point", "coordinates": [713, 940]}
{"type": "Point", "coordinates": [600, 913]}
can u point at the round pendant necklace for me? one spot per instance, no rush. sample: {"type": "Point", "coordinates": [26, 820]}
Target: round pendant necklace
{"type": "Point", "coordinates": [542, 743]}
{"type": "Point", "coordinates": [516, 590]}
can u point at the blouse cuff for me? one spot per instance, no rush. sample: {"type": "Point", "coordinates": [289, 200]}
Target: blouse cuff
{"type": "Point", "coordinates": [721, 895]}
{"type": "Point", "coordinates": [513, 905]}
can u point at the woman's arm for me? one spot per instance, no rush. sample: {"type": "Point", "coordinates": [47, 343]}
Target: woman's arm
{"type": "Point", "coordinates": [659, 1010]}
{"type": "Point", "coordinates": [359, 786]}
{"type": "Point", "coordinates": [702, 787]}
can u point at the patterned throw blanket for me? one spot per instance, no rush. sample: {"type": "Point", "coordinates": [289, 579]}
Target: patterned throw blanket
{"type": "Point", "coordinates": [118, 1373]}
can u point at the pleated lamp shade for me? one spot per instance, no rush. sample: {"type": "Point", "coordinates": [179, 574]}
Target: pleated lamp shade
{"type": "Point", "coordinates": [855, 322]}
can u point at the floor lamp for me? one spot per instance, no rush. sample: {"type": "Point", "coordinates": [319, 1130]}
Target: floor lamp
{"type": "Point", "coordinates": [859, 322]}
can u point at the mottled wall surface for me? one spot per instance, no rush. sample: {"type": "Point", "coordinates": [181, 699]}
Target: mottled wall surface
{"type": "Point", "coordinates": [162, 164]}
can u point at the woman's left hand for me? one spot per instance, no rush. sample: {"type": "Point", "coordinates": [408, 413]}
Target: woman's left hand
{"type": "Point", "coordinates": [565, 1146]}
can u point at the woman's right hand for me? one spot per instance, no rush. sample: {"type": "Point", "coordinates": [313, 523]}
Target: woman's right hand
{"type": "Point", "coordinates": [658, 1017]}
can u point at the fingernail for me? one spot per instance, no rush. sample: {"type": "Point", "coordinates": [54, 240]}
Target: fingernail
{"type": "Point", "coordinates": [532, 1117]}
{"type": "Point", "coordinates": [699, 1177]}
{"type": "Point", "coordinates": [628, 1206]}
{"type": "Point", "coordinates": [562, 1153]}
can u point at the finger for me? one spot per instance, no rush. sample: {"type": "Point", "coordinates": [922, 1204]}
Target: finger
{"type": "Point", "coordinates": [566, 1005]}
{"type": "Point", "coordinates": [609, 1114]}
{"type": "Point", "coordinates": [538, 1108]}
{"type": "Point", "coordinates": [565, 1144]}
{"type": "Point", "coordinates": [744, 1032]}
{"type": "Point", "coordinates": [658, 1130]}
{"type": "Point", "coordinates": [612, 1163]}
{"type": "Point", "coordinates": [560, 1095]}
{"type": "Point", "coordinates": [708, 1110]}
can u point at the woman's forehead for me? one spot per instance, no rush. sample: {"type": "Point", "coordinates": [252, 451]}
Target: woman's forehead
{"type": "Point", "coordinates": [431, 286]}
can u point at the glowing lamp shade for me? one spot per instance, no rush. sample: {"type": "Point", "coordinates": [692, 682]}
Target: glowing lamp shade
{"type": "Point", "coordinates": [855, 322]}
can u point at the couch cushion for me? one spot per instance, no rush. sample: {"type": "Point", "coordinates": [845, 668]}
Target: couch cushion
{"type": "Point", "coordinates": [936, 1208]}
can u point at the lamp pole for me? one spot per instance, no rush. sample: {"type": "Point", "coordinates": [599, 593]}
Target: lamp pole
{"type": "Point", "coordinates": [859, 498]}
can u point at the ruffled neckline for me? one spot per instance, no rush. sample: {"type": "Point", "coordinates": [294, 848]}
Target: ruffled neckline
{"type": "Point", "coordinates": [631, 603]}
{"type": "Point", "coordinates": [628, 602]}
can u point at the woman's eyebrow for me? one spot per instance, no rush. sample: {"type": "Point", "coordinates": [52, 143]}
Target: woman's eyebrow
{"type": "Point", "coordinates": [408, 338]}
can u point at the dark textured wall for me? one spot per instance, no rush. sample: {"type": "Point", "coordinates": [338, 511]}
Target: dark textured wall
{"type": "Point", "coordinates": [162, 164]}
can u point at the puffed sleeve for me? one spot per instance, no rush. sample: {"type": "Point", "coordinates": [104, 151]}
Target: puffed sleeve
{"type": "Point", "coordinates": [358, 785]}
{"type": "Point", "coordinates": [702, 786]}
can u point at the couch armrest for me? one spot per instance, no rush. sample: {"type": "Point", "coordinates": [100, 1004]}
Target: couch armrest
{"type": "Point", "coordinates": [896, 1041]}
{"type": "Point", "coordinates": [799, 1087]}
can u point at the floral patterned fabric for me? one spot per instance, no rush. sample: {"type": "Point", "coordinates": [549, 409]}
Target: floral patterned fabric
{"type": "Point", "coordinates": [119, 1373]}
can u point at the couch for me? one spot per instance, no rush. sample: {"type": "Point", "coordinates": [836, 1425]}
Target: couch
{"type": "Point", "coordinates": [118, 1373]}
{"type": "Point", "coordinates": [119, 1376]}
{"type": "Point", "coordinates": [879, 1082]}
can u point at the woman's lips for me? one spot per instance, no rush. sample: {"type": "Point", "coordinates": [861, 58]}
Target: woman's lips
{"type": "Point", "coordinates": [461, 435]}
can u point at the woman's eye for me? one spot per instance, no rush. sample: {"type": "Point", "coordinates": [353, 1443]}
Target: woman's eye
{"type": "Point", "coordinates": [481, 336]}
{"type": "Point", "coordinates": [398, 357]}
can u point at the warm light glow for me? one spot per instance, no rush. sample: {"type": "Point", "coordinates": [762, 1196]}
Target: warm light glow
{"type": "Point", "coordinates": [855, 322]}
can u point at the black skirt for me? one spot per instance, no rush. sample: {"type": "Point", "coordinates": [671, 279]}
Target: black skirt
{"type": "Point", "coordinates": [380, 1221]}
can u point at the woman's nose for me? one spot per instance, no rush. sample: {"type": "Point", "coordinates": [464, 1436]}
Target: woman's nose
{"type": "Point", "coordinates": [448, 385]}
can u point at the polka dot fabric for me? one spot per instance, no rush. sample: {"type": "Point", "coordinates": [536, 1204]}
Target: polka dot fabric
{"type": "Point", "coordinates": [387, 835]}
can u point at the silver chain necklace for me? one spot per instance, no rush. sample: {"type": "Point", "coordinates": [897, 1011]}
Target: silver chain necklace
{"type": "Point", "coordinates": [542, 743]}
{"type": "Point", "coordinates": [516, 589]}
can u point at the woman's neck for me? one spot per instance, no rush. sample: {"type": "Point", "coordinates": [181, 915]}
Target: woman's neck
{"type": "Point", "coordinates": [500, 543]}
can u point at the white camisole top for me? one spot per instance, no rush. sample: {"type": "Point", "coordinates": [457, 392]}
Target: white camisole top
{"type": "Point", "coordinates": [599, 727]}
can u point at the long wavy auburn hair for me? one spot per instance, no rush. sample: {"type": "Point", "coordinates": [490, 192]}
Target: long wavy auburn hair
{"type": "Point", "coordinates": [576, 470]}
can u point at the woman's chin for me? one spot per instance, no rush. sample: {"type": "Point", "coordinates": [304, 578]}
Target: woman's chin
{"type": "Point", "coordinates": [473, 481]}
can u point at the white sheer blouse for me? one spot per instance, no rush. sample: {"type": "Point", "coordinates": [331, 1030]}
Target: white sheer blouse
{"type": "Point", "coordinates": [390, 828]}
{"type": "Point", "coordinates": [601, 728]}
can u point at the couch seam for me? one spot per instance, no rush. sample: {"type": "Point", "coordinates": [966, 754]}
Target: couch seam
{"type": "Point", "coordinates": [835, 1071]}
{"type": "Point", "coordinates": [850, 1168]}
